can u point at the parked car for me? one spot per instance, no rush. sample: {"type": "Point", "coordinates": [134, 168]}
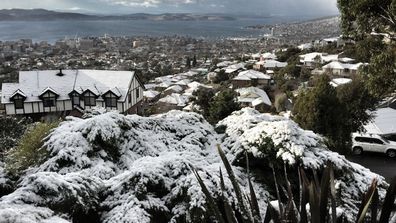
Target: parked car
{"type": "Point", "coordinates": [373, 143]}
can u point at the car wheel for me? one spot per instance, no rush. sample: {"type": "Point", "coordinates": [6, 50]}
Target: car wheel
{"type": "Point", "coordinates": [357, 150]}
{"type": "Point", "coordinates": [391, 153]}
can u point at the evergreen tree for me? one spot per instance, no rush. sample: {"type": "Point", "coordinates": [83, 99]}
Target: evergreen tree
{"type": "Point", "coordinates": [203, 97]}
{"type": "Point", "coordinates": [334, 113]}
{"type": "Point", "coordinates": [223, 104]}
{"type": "Point", "coordinates": [188, 62]}
{"type": "Point", "coordinates": [194, 62]}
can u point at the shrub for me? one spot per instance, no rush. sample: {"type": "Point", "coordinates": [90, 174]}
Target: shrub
{"type": "Point", "coordinates": [11, 130]}
{"type": "Point", "coordinates": [29, 152]}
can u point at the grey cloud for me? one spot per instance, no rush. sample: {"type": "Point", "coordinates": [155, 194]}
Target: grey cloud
{"type": "Point", "coordinates": [283, 7]}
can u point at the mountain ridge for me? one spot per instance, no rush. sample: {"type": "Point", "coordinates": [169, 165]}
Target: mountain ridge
{"type": "Point", "coordinates": [47, 15]}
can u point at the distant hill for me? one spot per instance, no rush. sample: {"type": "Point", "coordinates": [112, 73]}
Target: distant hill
{"type": "Point", "coordinates": [47, 15]}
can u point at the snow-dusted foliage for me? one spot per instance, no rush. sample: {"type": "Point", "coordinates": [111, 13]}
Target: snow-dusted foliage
{"type": "Point", "coordinates": [127, 168]}
{"type": "Point", "coordinates": [138, 169]}
{"type": "Point", "coordinates": [247, 128]}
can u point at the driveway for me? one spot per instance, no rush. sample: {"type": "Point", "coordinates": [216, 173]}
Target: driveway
{"type": "Point", "coordinates": [377, 163]}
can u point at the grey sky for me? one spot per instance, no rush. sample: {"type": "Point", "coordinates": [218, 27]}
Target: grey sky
{"type": "Point", "coordinates": [264, 7]}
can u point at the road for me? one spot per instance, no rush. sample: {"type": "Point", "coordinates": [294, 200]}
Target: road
{"type": "Point", "coordinates": [377, 163]}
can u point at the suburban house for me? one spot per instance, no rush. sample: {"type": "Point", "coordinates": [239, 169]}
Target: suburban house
{"type": "Point", "coordinates": [341, 69]}
{"type": "Point", "coordinates": [251, 78]}
{"type": "Point", "coordinates": [268, 64]}
{"type": "Point", "coordinates": [63, 91]}
{"type": "Point", "coordinates": [313, 59]}
{"type": "Point", "coordinates": [255, 98]}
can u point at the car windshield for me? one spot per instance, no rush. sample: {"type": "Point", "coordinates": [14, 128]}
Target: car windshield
{"type": "Point", "coordinates": [385, 140]}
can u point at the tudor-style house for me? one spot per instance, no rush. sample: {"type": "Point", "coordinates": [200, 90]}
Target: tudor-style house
{"type": "Point", "coordinates": [64, 91]}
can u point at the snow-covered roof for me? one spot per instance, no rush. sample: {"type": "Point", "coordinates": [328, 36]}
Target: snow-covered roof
{"type": "Point", "coordinates": [253, 95]}
{"type": "Point", "coordinates": [340, 66]}
{"type": "Point", "coordinates": [183, 82]}
{"type": "Point", "coordinates": [305, 46]}
{"type": "Point", "coordinates": [175, 99]}
{"type": "Point", "coordinates": [18, 92]}
{"type": "Point", "coordinates": [339, 81]}
{"type": "Point", "coordinates": [234, 67]}
{"type": "Point", "coordinates": [224, 64]}
{"type": "Point", "coordinates": [384, 122]}
{"type": "Point", "coordinates": [174, 88]}
{"type": "Point", "coordinates": [324, 57]}
{"type": "Point", "coordinates": [150, 86]}
{"type": "Point", "coordinates": [34, 83]}
{"type": "Point", "coordinates": [272, 63]}
{"type": "Point", "coordinates": [333, 39]}
{"type": "Point", "coordinates": [252, 74]}
{"type": "Point", "coordinates": [150, 94]}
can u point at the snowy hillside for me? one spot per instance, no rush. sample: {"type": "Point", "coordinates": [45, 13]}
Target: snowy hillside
{"type": "Point", "coordinates": [116, 168]}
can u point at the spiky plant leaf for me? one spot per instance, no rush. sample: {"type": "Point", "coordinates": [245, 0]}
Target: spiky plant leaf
{"type": "Point", "coordinates": [211, 202]}
{"type": "Point", "coordinates": [271, 214]}
{"type": "Point", "coordinates": [277, 191]}
{"type": "Point", "coordinates": [324, 193]}
{"type": "Point", "coordinates": [333, 196]}
{"type": "Point", "coordinates": [314, 203]}
{"type": "Point", "coordinates": [374, 206]}
{"type": "Point", "coordinates": [387, 207]}
{"type": "Point", "coordinates": [304, 184]}
{"type": "Point", "coordinates": [367, 198]}
{"type": "Point", "coordinates": [238, 192]}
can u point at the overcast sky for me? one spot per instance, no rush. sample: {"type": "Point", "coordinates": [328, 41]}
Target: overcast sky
{"type": "Point", "coordinates": [263, 7]}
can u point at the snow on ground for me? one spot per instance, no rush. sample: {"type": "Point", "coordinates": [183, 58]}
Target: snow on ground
{"type": "Point", "coordinates": [133, 169]}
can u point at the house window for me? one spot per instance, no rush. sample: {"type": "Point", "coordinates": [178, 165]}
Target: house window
{"type": "Point", "coordinates": [49, 99]}
{"type": "Point", "coordinates": [89, 99]}
{"type": "Point", "coordinates": [18, 102]}
{"type": "Point", "coordinates": [75, 98]}
{"type": "Point", "coordinates": [137, 93]}
{"type": "Point", "coordinates": [130, 97]}
{"type": "Point", "coordinates": [110, 101]}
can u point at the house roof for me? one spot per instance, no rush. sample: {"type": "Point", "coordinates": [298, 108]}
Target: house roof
{"type": "Point", "coordinates": [324, 58]}
{"type": "Point", "coordinates": [34, 83]}
{"type": "Point", "coordinates": [252, 74]}
{"type": "Point", "coordinates": [150, 94]}
{"type": "Point", "coordinates": [339, 81]}
{"type": "Point", "coordinates": [341, 66]}
{"type": "Point", "coordinates": [175, 99]}
{"type": "Point", "coordinates": [253, 95]}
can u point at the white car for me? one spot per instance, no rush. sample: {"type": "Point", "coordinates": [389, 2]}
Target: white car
{"type": "Point", "coordinates": [373, 143]}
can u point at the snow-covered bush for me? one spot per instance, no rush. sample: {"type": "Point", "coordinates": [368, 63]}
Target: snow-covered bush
{"type": "Point", "coordinates": [248, 130]}
{"type": "Point", "coordinates": [137, 169]}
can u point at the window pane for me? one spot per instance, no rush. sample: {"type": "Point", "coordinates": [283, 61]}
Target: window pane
{"type": "Point", "coordinates": [18, 104]}
{"type": "Point", "coordinates": [76, 100]}
{"type": "Point", "coordinates": [377, 141]}
{"type": "Point", "coordinates": [111, 102]}
{"type": "Point", "coordinates": [137, 93]}
{"type": "Point", "coordinates": [49, 102]}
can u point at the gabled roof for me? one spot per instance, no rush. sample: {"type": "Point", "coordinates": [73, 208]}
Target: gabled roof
{"type": "Point", "coordinates": [50, 90]}
{"type": "Point", "coordinates": [33, 83]}
{"type": "Point", "coordinates": [150, 94]}
{"type": "Point", "coordinates": [253, 95]}
{"type": "Point", "coordinates": [18, 92]}
{"type": "Point", "coordinates": [252, 74]}
{"type": "Point", "coordinates": [341, 66]}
